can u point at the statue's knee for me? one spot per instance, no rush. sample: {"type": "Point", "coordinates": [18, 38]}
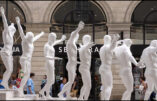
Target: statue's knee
{"type": "Point", "coordinates": [10, 70]}
{"type": "Point", "coordinates": [130, 89]}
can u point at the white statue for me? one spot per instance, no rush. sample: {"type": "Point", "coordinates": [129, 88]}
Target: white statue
{"type": "Point", "coordinates": [27, 48]}
{"type": "Point", "coordinates": [6, 52]}
{"type": "Point", "coordinates": [49, 53]}
{"type": "Point", "coordinates": [106, 53]}
{"type": "Point", "coordinates": [85, 64]}
{"type": "Point", "coordinates": [125, 58]}
{"type": "Point", "coordinates": [72, 60]}
{"type": "Point", "coordinates": [149, 59]}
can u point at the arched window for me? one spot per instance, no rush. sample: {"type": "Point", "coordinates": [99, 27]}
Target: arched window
{"type": "Point", "coordinates": [144, 22]}
{"type": "Point", "coordinates": [68, 14]}
{"type": "Point", "coordinates": [11, 11]}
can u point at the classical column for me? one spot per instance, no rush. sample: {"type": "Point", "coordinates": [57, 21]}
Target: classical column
{"type": "Point", "coordinates": [117, 28]}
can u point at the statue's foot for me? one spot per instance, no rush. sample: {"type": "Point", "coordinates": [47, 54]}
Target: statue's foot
{"type": "Point", "coordinates": [80, 98]}
{"type": "Point", "coordinates": [49, 97]}
{"type": "Point", "coordinates": [20, 93]}
{"type": "Point", "coordinates": [5, 85]}
{"type": "Point", "coordinates": [69, 98]}
{"type": "Point", "coordinates": [42, 94]}
{"type": "Point", "coordinates": [60, 95]}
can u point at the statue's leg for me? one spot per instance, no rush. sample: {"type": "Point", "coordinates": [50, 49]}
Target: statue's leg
{"type": "Point", "coordinates": [127, 79]}
{"type": "Point", "coordinates": [42, 91]}
{"type": "Point", "coordinates": [88, 85]}
{"type": "Point", "coordinates": [8, 63]}
{"type": "Point", "coordinates": [155, 82]}
{"type": "Point", "coordinates": [71, 78]}
{"type": "Point", "coordinates": [150, 87]}
{"type": "Point", "coordinates": [108, 84]}
{"type": "Point", "coordinates": [25, 64]}
{"type": "Point", "coordinates": [107, 81]}
{"type": "Point", "coordinates": [50, 82]}
{"type": "Point", "coordinates": [82, 92]}
{"type": "Point", "coordinates": [102, 93]}
{"type": "Point", "coordinates": [71, 81]}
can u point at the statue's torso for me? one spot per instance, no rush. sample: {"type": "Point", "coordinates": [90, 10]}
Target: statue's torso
{"type": "Point", "coordinates": [27, 48]}
{"type": "Point", "coordinates": [106, 55]}
{"type": "Point", "coordinates": [71, 51]}
{"type": "Point", "coordinates": [85, 56]}
{"type": "Point", "coordinates": [8, 41]}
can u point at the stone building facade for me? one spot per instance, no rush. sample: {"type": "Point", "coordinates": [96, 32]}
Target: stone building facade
{"type": "Point", "coordinates": [38, 16]}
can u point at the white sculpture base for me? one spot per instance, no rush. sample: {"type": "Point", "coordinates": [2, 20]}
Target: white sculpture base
{"type": "Point", "coordinates": [12, 95]}
{"type": "Point", "coordinates": [56, 98]}
{"type": "Point", "coordinates": [6, 94]}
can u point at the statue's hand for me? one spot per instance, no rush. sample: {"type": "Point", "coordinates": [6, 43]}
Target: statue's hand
{"type": "Point", "coordinates": [92, 44]}
{"type": "Point", "coordinates": [140, 65]}
{"type": "Point", "coordinates": [116, 37]}
{"type": "Point", "coordinates": [2, 10]}
{"type": "Point", "coordinates": [17, 19]}
{"type": "Point", "coordinates": [63, 37]}
{"type": "Point", "coordinates": [81, 25]}
{"type": "Point", "coordinates": [80, 44]}
{"type": "Point", "coordinates": [43, 32]}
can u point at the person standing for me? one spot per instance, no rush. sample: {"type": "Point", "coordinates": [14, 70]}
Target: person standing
{"type": "Point", "coordinates": [30, 84]}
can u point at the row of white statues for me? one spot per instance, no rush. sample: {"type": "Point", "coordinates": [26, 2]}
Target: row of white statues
{"type": "Point", "coordinates": [122, 53]}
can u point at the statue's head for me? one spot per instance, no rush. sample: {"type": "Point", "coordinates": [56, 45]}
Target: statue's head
{"type": "Point", "coordinates": [29, 36]}
{"type": "Point", "coordinates": [12, 29]}
{"type": "Point", "coordinates": [128, 42]}
{"type": "Point", "coordinates": [153, 43]}
{"type": "Point", "coordinates": [86, 39]}
{"type": "Point", "coordinates": [107, 40]}
{"type": "Point", "coordinates": [52, 37]}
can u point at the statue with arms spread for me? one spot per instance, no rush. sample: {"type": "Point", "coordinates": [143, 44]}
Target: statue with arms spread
{"type": "Point", "coordinates": [85, 64]}
{"type": "Point", "coordinates": [72, 60]}
{"type": "Point", "coordinates": [49, 53]}
{"type": "Point", "coordinates": [125, 58]}
{"type": "Point", "coordinates": [149, 60]}
{"type": "Point", "coordinates": [6, 52]}
{"type": "Point", "coordinates": [25, 59]}
{"type": "Point", "coordinates": [106, 53]}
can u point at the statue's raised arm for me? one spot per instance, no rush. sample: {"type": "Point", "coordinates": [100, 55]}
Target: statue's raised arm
{"type": "Point", "coordinates": [78, 29]}
{"type": "Point", "coordinates": [38, 36]}
{"type": "Point", "coordinates": [5, 23]}
{"type": "Point", "coordinates": [59, 41]}
{"type": "Point", "coordinates": [20, 28]}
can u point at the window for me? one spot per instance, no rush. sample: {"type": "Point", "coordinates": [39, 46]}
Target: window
{"type": "Point", "coordinates": [11, 11]}
{"type": "Point", "coordinates": [144, 22]}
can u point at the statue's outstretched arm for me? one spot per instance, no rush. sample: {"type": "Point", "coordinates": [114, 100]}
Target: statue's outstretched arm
{"type": "Point", "coordinates": [20, 28]}
{"type": "Point", "coordinates": [78, 29]}
{"type": "Point", "coordinates": [38, 36]}
{"type": "Point", "coordinates": [53, 58]}
{"type": "Point", "coordinates": [131, 58]}
{"type": "Point", "coordinates": [4, 19]}
{"type": "Point", "coordinates": [59, 41]}
{"type": "Point", "coordinates": [141, 63]}
{"type": "Point", "coordinates": [90, 45]}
